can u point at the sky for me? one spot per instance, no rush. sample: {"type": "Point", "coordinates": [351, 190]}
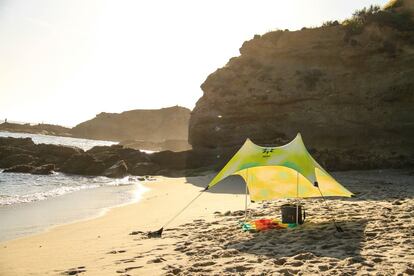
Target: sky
{"type": "Point", "coordinates": [64, 61]}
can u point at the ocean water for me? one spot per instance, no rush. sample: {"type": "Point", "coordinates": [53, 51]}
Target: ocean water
{"type": "Point", "coordinates": [84, 144]}
{"type": "Point", "coordinates": [32, 203]}
{"type": "Point", "coordinates": [22, 188]}
{"type": "Point", "coordinates": [18, 188]}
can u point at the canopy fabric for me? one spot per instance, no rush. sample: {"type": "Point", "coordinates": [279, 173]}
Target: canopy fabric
{"type": "Point", "coordinates": [271, 182]}
{"type": "Point", "coordinates": [280, 172]}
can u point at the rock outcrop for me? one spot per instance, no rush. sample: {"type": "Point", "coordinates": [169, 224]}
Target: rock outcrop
{"type": "Point", "coordinates": [348, 89]}
{"type": "Point", "coordinates": [18, 151]}
{"type": "Point", "coordinates": [144, 125]}
{"type": "Point", "coordinates": [44, 169]}
{"type": "Point", "coordinates": [83, 164]}
{"type": "Point", "coordinates": [145, 168]}
{"type": "Point", "coordinates": [41, 170]}
{"type": "Point", "coordinates": [22, 155]}
{"type": "Point", "coordinates": [46, 129]}
{"type": "Point", "coordinates": [19, 169]}
{"type": "Point", "coordinates": [119, 169]}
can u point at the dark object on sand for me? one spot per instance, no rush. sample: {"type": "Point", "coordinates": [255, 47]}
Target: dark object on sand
{"type": "Point", "coordinates": [136, 233]}
{"type": "Point", "coordinates": [155, 234]}
{"type": "Point", "coordinates": [293, 214]}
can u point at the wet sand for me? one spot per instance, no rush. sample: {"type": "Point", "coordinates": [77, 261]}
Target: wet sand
{"type": "Point", "coordinates": [206, 239]}
{"type": "Point", "coordinates": [34, 217]}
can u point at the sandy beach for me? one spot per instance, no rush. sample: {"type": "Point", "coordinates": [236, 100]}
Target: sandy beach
{"type": "Point", "coordinates": [207, 239]}
{"type": "Point", "coordinates": [120, 119]}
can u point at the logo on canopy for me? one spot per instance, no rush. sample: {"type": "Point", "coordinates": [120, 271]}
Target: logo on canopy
{"type": "Point", "coordinates": [267, 152]}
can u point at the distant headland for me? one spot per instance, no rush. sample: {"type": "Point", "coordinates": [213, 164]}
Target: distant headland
{"type": "Point", "coordinates": [152, 129]}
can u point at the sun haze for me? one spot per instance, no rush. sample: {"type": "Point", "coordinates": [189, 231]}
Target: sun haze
{"type": "Point", "coordinates": [63, 62]}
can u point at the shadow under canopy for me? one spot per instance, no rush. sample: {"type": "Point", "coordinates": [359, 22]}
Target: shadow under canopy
{"type": "Point", "coordinates": [315, 238]}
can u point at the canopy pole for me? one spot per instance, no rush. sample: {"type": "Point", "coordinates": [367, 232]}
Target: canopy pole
{"type": "Point", "coordinates": [297, 197]}
{"type": "Point", "coordinates": [245, 199]}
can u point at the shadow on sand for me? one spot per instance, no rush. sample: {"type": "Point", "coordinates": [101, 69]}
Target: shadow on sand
{"type": "Point", "coordinates": [311, 239]}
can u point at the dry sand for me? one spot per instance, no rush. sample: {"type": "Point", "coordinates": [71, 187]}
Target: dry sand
{"type": "Point", "coordinates": [378, 237]}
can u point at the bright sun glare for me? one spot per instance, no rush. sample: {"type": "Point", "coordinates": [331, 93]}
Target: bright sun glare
{"type": "Point", "coordinates": [65, 61]}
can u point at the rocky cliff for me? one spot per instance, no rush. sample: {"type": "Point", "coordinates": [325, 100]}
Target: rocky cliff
{"type": "Point", "coordinates": [347, 88]}
{"type": "Point", "coordinates": [142, 125]}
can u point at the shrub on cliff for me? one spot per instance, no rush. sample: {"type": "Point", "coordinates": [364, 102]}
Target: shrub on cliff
{"type": "Point", "coordinates": [330, 23]}
{"type": "Point", "coordinates": [389, 16]}
{"type": "Point", "coordinates": [359, 19]}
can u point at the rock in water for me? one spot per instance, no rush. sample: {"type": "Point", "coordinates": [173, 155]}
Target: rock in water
{"type": "Point", "coordinates": [84, 164]}
{"type": "Point", "coordinates": [44, 169]}
{"type": "Point", "coordinates": [16, 159]}
{"type": "Point", "coordinates": [19, 169]}
{"type": "Point", "coordinates": [145, 168]}
{"type": "Point", "coordinates": [56, 154]}
{"type": "Point", "coordinates": [118, 170]}
{"type": "Point", "coordinates": [110, 155]}
{"type": "Point", "coordinates": [16, 142]}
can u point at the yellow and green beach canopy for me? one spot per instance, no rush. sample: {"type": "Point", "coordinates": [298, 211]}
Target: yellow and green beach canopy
{"type": "Point", "coordinates": [287, 171]}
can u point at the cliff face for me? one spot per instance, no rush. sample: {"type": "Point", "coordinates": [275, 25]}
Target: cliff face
{"type": "Point", "coordinates": [349, 90]}
{"type": "Point", "coordinates": [146, 125]}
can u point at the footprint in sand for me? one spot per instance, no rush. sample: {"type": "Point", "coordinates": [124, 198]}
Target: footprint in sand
{"type": "Point", "coordinates": [128, 269]}
{"type": "Point", "coordinates": [172, 269]}
{"type": "Point", "coordinates": [75, 271]}
{"type": "Point", "coordinates": [288, 271]}
{"type": "Point", "coordinates": [323, 267]}
{"type": "Point", "coordinates": [280, 261]}
{"type": "Point", "coordinates": [295, 263]}
{"type": "Point", "coordinates": [156, 260]}
{"type": "Point", "coordinates": [237, 268]}
{"type": "Point", "coordinates": [202, 264]}
{"type": "Point", "coordinates": [116, 252]}
{"type": "Point", "coordinates": [127, 260]}
{"type": "Point", "coordinates": [377, 260]}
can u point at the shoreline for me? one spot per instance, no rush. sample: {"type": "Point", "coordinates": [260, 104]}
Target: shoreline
{"type": "Point", "coordinates": [56, 135]}
{"type": "Point", "coordinates": [22, 134]}
{"type": "Point", "coordinates": [207, 239]}
{"type": "Point", "coordinates": [49, 136]}
{"type": "Point", "coordinates": [100, 235]}
{"type": "Point", "coordinates": [99, 206]}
